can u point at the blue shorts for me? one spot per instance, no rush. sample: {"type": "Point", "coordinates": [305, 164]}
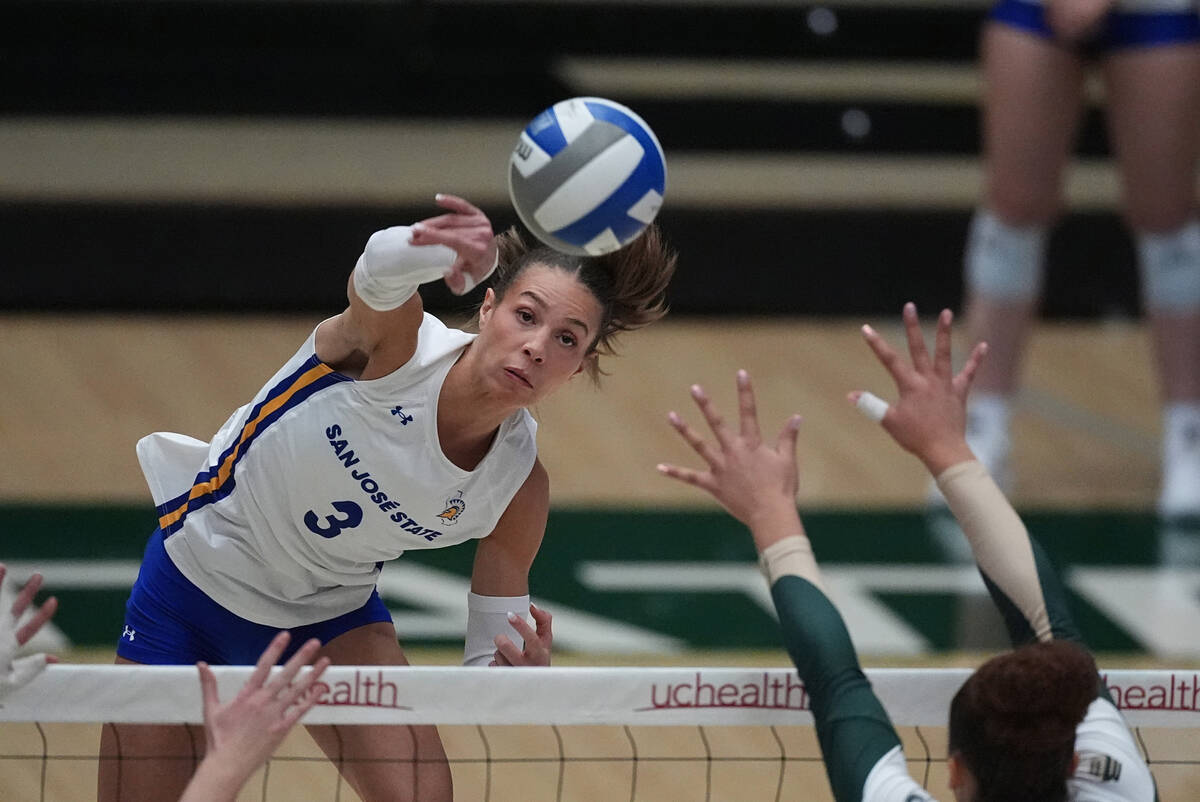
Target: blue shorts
{"type": "Point", "coordinates": [1120, 28]}
{"type": "Point", "coordinates": [170, 621]}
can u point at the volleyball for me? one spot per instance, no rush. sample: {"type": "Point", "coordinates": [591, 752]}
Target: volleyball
{"type": "Point", "coordinates": [587, 176]}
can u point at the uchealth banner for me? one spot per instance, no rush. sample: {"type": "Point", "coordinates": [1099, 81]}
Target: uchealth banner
{"type": "Point", "coordinates": [609, 696]}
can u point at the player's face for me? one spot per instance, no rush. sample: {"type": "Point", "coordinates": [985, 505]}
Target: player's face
{"type": "Point", "coordinates": [537, 337]}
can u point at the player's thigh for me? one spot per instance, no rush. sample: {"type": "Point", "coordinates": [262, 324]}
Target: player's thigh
{"type": "Point", "coordinates": [1032, 104]}
{"type": "Point", "coordinates": [382, 762]}
{"type": "Point", "coordinates": [1154, 127]}
{"type": "Point", "coordinates": [147, 761]}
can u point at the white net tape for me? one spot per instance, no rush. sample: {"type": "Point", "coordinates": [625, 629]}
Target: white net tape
{"type": "Point", "coordinates": [603, 696]}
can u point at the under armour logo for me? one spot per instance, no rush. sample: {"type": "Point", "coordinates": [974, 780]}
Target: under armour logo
{"type": "Point", "coordinates": [404, 419]}
{"type": "Point", "coordinates": [129, 633]}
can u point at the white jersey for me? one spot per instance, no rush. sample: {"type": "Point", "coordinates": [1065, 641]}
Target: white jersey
{"type": "Point", "coordinates": [1111, 768]}
{"type": "Point", "coordinates": [288, 515]}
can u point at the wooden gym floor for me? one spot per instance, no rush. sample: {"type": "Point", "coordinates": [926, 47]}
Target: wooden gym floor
{"type": "Point", "coordinates": [1085, 433]}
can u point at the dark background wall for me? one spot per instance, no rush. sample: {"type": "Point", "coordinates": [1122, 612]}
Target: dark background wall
{"type": "Point", "coordinates": [444, 62]}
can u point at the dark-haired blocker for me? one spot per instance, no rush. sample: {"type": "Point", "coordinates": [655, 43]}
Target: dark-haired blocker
{"type": "Point", "coordinates": [1035, 724]}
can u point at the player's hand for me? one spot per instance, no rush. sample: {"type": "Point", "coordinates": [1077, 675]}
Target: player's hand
{"type": "Point", "coordinates": [16, 672]}
{"type": "Point", "coordinates": [244, 732]}
{"type": "Point", "coordinates": [755, 481]}
{"type": "Point", "coordinates": [929, 418]}
{"type": "Point", "coordinates": [1075, 20]}
{"type": "Point", "coordinates": [537, 642]}
{"type": "Point", "coordinates": [467, 231]}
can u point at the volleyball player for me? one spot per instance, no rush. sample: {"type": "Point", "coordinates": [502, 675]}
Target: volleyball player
{"type": "Point", "coordinates": [1034, 724]}
{"type": "Point", "coordinates": [1035, 54]}
{"type": "Point", "coordinates": [387, 431]}
{"type": "Point", "coordinates": [16, 671]}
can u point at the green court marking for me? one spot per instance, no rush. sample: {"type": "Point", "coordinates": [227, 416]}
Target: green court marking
{"type": "Point", "coordinates": [701, 617]}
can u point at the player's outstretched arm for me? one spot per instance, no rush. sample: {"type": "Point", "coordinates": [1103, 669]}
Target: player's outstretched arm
{"type": "Point", "coordinates": [756, 482]}
{"type": "Point", "coordinates": [16, 672]}
{"type": "Point", "coordinates": [380, 325]}
{"type": "Point", "coordinates": [928, 419]}
{"type": "Point", "coordinates": [241, 734]}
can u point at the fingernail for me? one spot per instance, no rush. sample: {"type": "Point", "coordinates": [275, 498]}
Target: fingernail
{"type": "Point", "coordinates": [438, 196]}
{"type": "Point", "coordinates": [418, 228]}
{"type": "Point", "coordinates": [743, 377]}
{"type": "Point", "coordinates": [673, 417]}
{"type": "Point", "coordinates": [661, 468]}
{"type": "Point", "coordinates": [513, 617]}
{"type": "Point", "coordinates": [868, 330]}
{"type": "Point", "coordinates": [696, 391]}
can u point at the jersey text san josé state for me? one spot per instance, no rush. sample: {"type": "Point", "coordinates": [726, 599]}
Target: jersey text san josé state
{"type": "Point", "coordinates": [345, 454]}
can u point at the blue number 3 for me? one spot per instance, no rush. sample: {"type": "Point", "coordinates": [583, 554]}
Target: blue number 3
{"type": "Point", "coordinates": [353, 518]}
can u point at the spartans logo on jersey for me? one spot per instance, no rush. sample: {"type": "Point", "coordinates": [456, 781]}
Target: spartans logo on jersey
{"type": "Point", "coordinates": [454, 508]}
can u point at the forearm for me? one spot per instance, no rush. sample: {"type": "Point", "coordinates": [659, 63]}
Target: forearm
{"type": "Point", "coordinates": [852, 727]}
{"type": "Point", "coordinates": [1016, 571]}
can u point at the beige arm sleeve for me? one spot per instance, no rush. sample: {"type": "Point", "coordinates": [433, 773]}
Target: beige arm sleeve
{"type": "Point", "coordinates": [998, 539]}
{"type": "Point", "coordinates": [792, 556]}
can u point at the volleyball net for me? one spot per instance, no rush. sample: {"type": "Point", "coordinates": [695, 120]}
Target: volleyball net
{"type": "Point", "coordinates": [554, 733]}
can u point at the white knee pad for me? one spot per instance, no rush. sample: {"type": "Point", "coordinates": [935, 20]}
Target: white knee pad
{"type": "Point", "coordinates": [1003, 262]}
{"type": "Point", "coordinates": [1170, 269]}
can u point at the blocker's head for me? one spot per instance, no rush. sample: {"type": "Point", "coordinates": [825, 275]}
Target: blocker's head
{"type": "Point", "coordinates": [1012, 723]}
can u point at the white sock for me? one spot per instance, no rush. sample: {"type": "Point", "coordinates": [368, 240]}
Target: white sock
{"type": "Point", "coordinates": [1181, 459]}
{"type": "Point", "coordinates": [988, 416]}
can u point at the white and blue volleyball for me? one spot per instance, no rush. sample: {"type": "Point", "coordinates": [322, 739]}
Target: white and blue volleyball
{"type": "Point", "coordinates": [587, 176]}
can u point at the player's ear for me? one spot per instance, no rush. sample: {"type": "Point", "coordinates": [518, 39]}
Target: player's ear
{"type": "Point", "coordinates": [962, 782]}
{"type": "Point", "coordinates": [487, 307]}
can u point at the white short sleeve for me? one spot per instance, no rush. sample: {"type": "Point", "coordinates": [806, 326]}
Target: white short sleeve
{"type": "Point", "coordinates": [889, 781]}
{"type": "Point", "coordinates": [1111, 768]}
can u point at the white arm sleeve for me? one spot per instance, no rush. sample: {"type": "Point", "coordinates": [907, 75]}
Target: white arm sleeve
{"type": "Point", "coordinates": [391, 267]}
{"type": "Point", "coordinates": [487, 617]}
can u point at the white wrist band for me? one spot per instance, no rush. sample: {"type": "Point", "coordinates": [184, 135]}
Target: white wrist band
{"type": "Point", "coordinates": [391, 267]}
{"type": "Point", "coordinates": [487, 617]}
{"type": "Point", "coordinates": [15, 672]}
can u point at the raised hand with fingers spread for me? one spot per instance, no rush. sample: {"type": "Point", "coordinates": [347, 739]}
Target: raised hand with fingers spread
{"type": "Point", "coordinates": [16, 672]}
{"type": "Point", "coordinates": [242, 733]}
{"type": "Point", "coordinates": [929, 418]}
{"type": "Point", "coordinates": [755, 481]}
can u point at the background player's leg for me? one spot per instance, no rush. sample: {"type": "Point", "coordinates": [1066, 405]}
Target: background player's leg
{"type": "Point", "coordinates": [388, 770]}
{"type": "Point", "coordinates": [147, 761]}
{"type": "Point", "coordinates": [1154, 125]}
{"type": "Point", "coordinates": [1032, 103]}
